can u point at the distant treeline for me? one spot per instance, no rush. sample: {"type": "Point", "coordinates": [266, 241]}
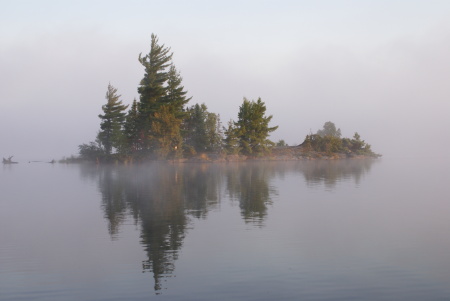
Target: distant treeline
{"type": "Point", "coordinates": [160, 125]}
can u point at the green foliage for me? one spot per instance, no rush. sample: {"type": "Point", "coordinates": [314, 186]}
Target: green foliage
{"type": "Point", "coordinates": [328, 144]}
{"type": "Point", "coordinates": [159, 124]}
{"type": "Point", "coordinates": [252, 128]}
{"type": "Point", "coordinates": [332, 143]}
{"type": "Point", "coordinates": [132, 129]}
{"type": "Point", "coordinates": [91, 151]}
{"type": "Point", "coordinates": [202, 130]}
{"type": "Point", "coordinates": [329, 129]}
{"type": "Point", "coordinates": [111, 134]}
{"type": "Point", "coordinates": [231, 141]}
{"type": "Point", "coordinates": [165, 134]}
{"type": "Point", "coordinates": [161, 108]}
{"type": "Point", "coordinates": [357, 146]}
{"type": "Point", "coordinates": [175, 96]}
{"type": "Point", "coordinates": [152, 88]}
{"type": "Point", "coordinates": [281, 143]}
{"type": "Point", "coordinates": [213, 132]}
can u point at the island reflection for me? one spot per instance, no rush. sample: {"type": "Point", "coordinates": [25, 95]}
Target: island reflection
{"type": "Point", "coordinates": [163, 198]}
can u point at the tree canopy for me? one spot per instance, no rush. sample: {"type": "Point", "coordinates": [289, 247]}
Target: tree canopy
{"type": "Point", "coordinates": [328, 140]}
{"type": "Point", "coordinates": [160, 125]}
{"type": "Point", "coordinates": [329, 129]}
{"type": "Point", "coordinates": [111, 134]}
{"type": "Point", "coordinates": [252, 128]}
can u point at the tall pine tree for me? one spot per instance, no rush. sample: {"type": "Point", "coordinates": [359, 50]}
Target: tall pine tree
{"type": "Point", "coordinates": [152, 87]}
{"type": "Point", "coordinates": [162, 99]}
{"type": "Point", "coordinates": [111, 135]}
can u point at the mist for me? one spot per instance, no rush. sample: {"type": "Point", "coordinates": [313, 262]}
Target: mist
{"type": "Point", "coordinates": [377, 69]}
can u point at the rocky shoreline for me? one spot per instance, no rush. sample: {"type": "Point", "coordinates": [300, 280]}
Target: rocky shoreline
{"type": "Point", "coordinates": [286, 153]}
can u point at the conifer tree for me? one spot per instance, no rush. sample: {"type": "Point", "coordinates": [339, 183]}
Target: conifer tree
{"type": "Point", "coordinates": [231, 141]}
{"type": "Point", "coordinates": [329, 129]}
{"type": "Point", "coordinates": [111, 135]}
{"type": "Point", "coordinates": [214, 132]}
{"type": "Point", "coordinates": [175, 96]}
{"type": "Point", "coordinates": [202, 130]}
{"type": "Point", "coordinates": [165, 134]}
{"type": "Point", "coordinates": [131, 128]}
{"type": "Point", "coordinates": [253, 128]}
{"type": "Point", "coordinates": [195, 128]}
{"type": "Point", "coordinates": [152, 87]}
{"type": "Point", "coordinates": [161, 94]}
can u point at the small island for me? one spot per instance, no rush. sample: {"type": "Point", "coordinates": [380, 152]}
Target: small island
{"type": "Point", "coordinates": [161, 126]}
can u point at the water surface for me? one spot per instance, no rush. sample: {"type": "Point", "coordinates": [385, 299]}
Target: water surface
{"type": "Point", "coordinates": [321, 230]}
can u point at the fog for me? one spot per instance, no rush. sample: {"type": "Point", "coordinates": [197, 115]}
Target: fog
{"type": "Point", "coordinates": [379, 68]}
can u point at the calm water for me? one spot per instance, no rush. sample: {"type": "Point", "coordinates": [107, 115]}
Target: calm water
{"type": "Point", "coordinates": [342, 230]}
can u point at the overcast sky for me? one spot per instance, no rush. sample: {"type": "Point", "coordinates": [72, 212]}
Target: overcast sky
{"type": "Point", "coordinates": [381, 68]}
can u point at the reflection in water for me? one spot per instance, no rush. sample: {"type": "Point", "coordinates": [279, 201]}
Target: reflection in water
{"type": "Point", "coordinates": [330, 172]}
{"type": "Point", "coordinates": [162, 197]}
{"type": "Point", "coordinates": [249, 185]}
{"type": "Point", "coordinates": [157, 196]}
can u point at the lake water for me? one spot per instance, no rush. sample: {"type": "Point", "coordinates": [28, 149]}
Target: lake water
{"type": "Point", "coordinates": [321, 230]}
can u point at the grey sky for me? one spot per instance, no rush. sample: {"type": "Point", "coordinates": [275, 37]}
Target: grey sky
{"type": "Point", "coordinates": [377, 67]}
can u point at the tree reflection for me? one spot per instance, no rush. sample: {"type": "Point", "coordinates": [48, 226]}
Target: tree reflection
{"type": "Point", "coordinates": [249, 184]}
{"type": "Point", "coordinates": [113, 199]}
{"type": "Point", "coordinates": [331, 172]}
{"type": "Point", "coordinates": [159, 200]}
{"type": "Point", "coordinates": [159, 197]}
{"type": "Point", "coordinates": [162, 198]}
{"type": "Point", "coordinates": [202, 188]}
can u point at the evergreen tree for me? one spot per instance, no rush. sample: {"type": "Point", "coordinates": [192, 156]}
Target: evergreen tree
{"type": "Point", "coordinates": [165, 134]}
{"type": "Point", "coordinates": [195, 128]}
{"type": "Point", "coordinates": [111, 135]}
{"type": "Point", "coordinates": [202, 130]}
{"type": "Point", "coordinates": [329, 129]}
{"type": "Point", "coordinates": [161, 94]}
{"type": "Point", "coordinates": [175, 96]}
{"type": "Point", "coordinates": [231, 141]}
{"type": "Point", "coordinates": [131, 128]}
{"type": "Point", "coordinates": [253, 128]}
{"type": "Point", "coordinates": [152, 87]}
{"type": "Point", "coordinates": [213, 132]}
{"type": "Point", "coordinates": [91, 151]}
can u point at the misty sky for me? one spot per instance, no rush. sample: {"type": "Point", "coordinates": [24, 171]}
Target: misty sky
{"type": "Point", "coordinates": [380, 68]}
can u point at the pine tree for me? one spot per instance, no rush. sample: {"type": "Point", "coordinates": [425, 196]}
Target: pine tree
{"type": "Point", "coordinates": [231, 141]}
{"type": "Point", "coordinates": [202, 130]}
{"type": "Point", "coordinates": [214, 132]}
{"type": "Point", "coordinates": [131, 128]}
{"type": "Point", "coordinates": [166, 134]}
{"type": "Point", "coordinates": [161, 94]}
{"type": "Point", "coordinates": [175, 96]}
{"type": "Point", "coordinates": [152, 87]}
{"type": "Point", "coordinates": [329, 129]}
{"type": "Point", "coordinates": [111, 135]}
{"type": "Point", "coordinates": [195, 128]}
{"type": "Point", "coordinates": [253, 128]}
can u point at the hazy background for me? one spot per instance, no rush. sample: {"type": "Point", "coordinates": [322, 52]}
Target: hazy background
{"type": "Point", "coordinates": [381, 68]}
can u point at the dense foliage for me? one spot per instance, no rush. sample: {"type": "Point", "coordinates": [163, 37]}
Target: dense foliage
{"type": "Point", "coordinates": [252, 128]}
{"type": "Point", "coordinates": [160, 125]}
{"type": "Point", "coordinates": [328, 140]}
{"type": "Point", "coordinates": [111, 127]}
